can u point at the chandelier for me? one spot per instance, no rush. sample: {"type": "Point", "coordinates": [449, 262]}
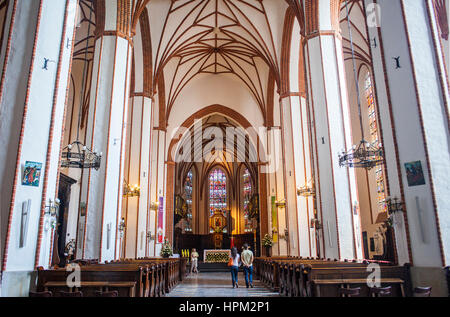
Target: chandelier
{"type": "Point", "coordinates": [129, 191]}
{"type": "Point", "coordinates": [77, 155]}
{"type": "Point", "coordinates": [306, 191]}
{"type": "Point", "coordinates": [394, 205]}
{"type": "Point", "coordinates": [363, 155]}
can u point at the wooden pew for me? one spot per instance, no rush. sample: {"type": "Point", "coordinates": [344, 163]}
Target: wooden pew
{"type": "Point", "coordinates": [288, 275]}
{"type": "Point", "coordinates": [321, 281]}
{"type": "Point", "coordinates": [156, 274]}
{"type": "Point", "coordinates": [169, 272]}
{"type": "Point", "coordinates": [128, 280]}
{"type": "Point", "coordinates": [291, 273]}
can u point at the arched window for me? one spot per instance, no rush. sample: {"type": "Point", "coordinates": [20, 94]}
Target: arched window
{"type": "Point", "coordinates": [247, 193]}
{"type": "Point", "coordinates": [188, 190]}
{"type": "Point", "coordinates": [374, 139]}
{"type": "Point", "coordinates": [217, 193]}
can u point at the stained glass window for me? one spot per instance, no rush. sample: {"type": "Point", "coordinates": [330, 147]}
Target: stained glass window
{"type": "Point", "coordinates": [247, 193]}
{"type": "Point", "coordinates": [188, 189]}
{"type": "Point", "coordinates": [217, 193]}
{"type": "Point", "coordinates": [373, 138]}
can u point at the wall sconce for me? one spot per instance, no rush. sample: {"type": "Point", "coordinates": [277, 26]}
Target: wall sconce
{"type": "Point", "coordinates": [394, 205]}
{"type": "Point", "coordinates": [52, 208]}
{"type": "Point", "coordinates": [150, 237]}
{"type": "Point", "coordinates": [154, 205]}
{"type": "Point", "coordinates": [274, 231]}
{"type": "Point", "coordinates": [305, 191]}
{"type": "Point", "coordinates": [285, 236]}
{"type": "Point", "coordinates": [129, 191]}
{"type": "Point", "coordinates": [122, 227]}
{"type": "Point", "coordinates": [281, 203]}
{"type": "Point", "coordinates": [315, 223]}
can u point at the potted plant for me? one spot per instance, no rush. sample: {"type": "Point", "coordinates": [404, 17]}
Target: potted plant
{"type": "Point", "coordinates": [267, 243]}
{"type": "Point", "coordinates": [166, 250]}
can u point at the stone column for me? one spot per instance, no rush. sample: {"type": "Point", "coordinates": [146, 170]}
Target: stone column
{"type": "Point", "coordinates": [106, 134]}
{"type": "Point", "coordinates": [289, 179]}
{"type": "Point", "coordinates": [138, 173]}
{"type": "Point", "coordinates": [33, 92]}
{"type": "Point", "coordinates": [420, 127]}
{"type": "Point", "coordinates": [335, 185]}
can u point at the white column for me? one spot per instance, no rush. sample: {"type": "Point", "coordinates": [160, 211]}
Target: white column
{"type": "Point", "coordinates": [138, 172]}
{"type": "Point", "coordinates": [329, 107]}
{"type": "Point", "coordinates": [106, 134]}
{"type": "Point", "coordinates": [420, 125]}
{"type": "Point", "coordinates": [292, 211]}
{"type": "Point", "coordinates": [32, 103]}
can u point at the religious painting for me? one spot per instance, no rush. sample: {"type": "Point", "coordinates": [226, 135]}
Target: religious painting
{"type": "Point", "coordinates": [32, 174]}
{"type": "Point", "coordinates": [414, 173]}
{"type": "Point", "coordinates": [218, 222]}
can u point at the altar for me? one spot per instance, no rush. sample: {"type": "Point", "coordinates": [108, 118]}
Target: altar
{"type": "Point", "coordinates": [216, 256]}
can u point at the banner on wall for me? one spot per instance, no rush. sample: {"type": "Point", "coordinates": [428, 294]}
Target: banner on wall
{"type": "Point", "coordinates": [160, 232]}
{"type": "Point", "coordinates": [274, 219]}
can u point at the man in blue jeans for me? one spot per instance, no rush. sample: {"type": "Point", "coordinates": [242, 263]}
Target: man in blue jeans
{"type": "Point", "coordinates": [247, 262]}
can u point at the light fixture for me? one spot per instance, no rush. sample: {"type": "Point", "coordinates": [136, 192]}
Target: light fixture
{"type": "Point", "coordinates": [394, 205]}
{"type": "Point", "coordinates": [150, 237]}
{"type": "Point", "coordinates": [281, 203]}
{"type": "Point", "coordinates": [364, 155]}
{"type": "Point", "coordinates": [306, 191]}
{"type": "Point", "coordinates": [274, 231]}
{"type": "Point", "coordinates": [122, 227]}
{"type": "Point", "coordinates": [77, 155]}
{"type": "Point", "coordinates": [52, 208]}
{"type": "Point", "coordinates": [154, 205]}
{"type": "Point", "coordinates": [129, 191]}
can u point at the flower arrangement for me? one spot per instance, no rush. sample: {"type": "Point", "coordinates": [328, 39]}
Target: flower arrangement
{"type": "Point", "coordinates": [166, 250]}
{"type": "Point", "coordinates": [267, 241]}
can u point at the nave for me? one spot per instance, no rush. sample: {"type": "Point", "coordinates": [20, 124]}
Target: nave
{"type": "Point", "coordinates": [135, 131]}
{"type": "Point", "coordinates": [218, 284]}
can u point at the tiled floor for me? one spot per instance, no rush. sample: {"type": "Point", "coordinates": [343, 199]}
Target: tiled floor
{"type": "Point", "coordinates": [218, 285]}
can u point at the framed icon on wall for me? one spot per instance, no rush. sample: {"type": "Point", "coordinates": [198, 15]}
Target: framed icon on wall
{"type": "Point", "coordinates": [414, 173]}
{"type": "Point", "coordinates": [32, 174]}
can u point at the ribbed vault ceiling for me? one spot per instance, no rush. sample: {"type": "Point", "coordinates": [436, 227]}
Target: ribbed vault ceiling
{"type": "Point", "coordinates": [221, 37]}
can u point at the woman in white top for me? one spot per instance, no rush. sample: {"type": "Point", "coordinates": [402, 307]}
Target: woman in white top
{"type": "Point", "coordinates": [235, 267]}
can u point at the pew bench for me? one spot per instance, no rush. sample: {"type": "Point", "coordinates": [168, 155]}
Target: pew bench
{"type": "Point", "coordinates": [96, 276]}
{"type": "Point", "coordinates": [326, 281]}
{"type": "Point", "coordinates": [317, 284]}
{"type": "Point", "coordinates": [128, 289]}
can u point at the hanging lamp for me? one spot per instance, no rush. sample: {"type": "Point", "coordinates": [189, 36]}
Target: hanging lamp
{"type": "Point", "coordinates": [364, 155]}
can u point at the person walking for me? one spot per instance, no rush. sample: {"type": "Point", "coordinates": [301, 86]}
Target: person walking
{"type": "Point", "coordinates": [234, 260]}
{"type": "Point", "coordinates": [247, 262]}
{"type": "Point", "coordinates": [194, 261]}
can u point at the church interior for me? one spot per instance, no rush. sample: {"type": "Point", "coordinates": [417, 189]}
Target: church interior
{"type": "Point", "coordinates": [314, 131]}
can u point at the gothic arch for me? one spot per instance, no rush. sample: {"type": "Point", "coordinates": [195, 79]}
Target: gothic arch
{"type": "Point", "coordinates": [228, 112]}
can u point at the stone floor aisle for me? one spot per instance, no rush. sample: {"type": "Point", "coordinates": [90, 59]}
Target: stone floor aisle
{"type": "Point", "coordinates": [218, 285]}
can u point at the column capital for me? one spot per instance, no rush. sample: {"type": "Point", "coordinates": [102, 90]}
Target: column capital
{"type": "Point", "coordinates": [315, 34]}
{"type": "Point", "coordinates": [117, 34]}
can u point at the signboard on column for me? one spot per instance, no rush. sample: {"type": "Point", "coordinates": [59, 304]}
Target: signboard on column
{"type": "Point", "coordinates": [160, 233]}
